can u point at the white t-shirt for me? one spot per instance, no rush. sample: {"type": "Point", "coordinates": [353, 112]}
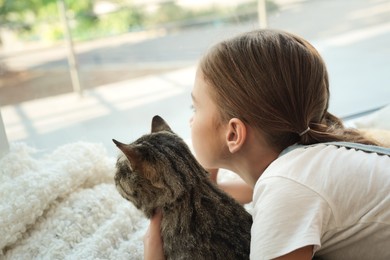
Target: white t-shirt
{"type": "Point", "coordinates": [334, 198]}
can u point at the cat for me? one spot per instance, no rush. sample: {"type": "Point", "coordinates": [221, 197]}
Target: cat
{"type": "Point", "coordinates": [200, 221]}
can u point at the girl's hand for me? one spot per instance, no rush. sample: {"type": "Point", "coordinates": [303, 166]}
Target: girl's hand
{"type": "Point", "coordinates": [153, 244]}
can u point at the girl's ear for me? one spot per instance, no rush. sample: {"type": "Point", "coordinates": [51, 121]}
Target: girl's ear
{"type": "Point", "coordinates": [235, 135]}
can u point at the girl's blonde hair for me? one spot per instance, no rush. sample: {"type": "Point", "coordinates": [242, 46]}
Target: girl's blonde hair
{"type": "Point", "coordinates": [276, 82]}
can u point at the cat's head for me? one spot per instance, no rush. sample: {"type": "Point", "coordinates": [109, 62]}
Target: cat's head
{"type": "Point", "coordinates": [156, 169]}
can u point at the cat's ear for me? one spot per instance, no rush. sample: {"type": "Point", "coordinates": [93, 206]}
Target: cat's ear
{"type": "Point", "coordinates": [128, 150]}
{"type": "Point", "coordinates": [158, 124]}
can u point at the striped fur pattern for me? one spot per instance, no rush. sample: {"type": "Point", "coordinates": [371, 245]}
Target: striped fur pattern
{"type": "Point", "coordinates": [158, 171]}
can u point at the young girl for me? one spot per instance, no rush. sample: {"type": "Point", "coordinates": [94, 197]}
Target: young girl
{"type": "Point", "coordinates": [260, 109]}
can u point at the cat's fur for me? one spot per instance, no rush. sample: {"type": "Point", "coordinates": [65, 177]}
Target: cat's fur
{"type": "Point", "coordinates": [158, 171]}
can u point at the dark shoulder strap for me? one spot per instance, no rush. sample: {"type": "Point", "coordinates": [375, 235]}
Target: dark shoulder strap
{"type": "Point", "coordinates": [356, 146]}
{"type": "Point", "coordinates": [362, 147]}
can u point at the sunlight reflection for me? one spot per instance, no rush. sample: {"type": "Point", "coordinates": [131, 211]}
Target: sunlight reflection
{"type": "Point", "coordinates": [353, 36]}
{"type": "Point", "coordinates": [359, 35]}
{"type": "Point", "coordinates": [50, 114]}
{"type": "Point", "coordinates": [379, 9]}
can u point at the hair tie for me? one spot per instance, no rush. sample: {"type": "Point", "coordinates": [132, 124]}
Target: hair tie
{"type": "Point", "coordinates": [304, 132]}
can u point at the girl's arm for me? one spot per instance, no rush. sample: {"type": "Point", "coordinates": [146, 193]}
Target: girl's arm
{"type": "Point", "coordinates": [238, 189]}
{"type": "Point", "coordinates": [299, 254]}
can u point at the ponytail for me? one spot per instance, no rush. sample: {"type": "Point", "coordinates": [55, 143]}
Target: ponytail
{"type": "Point", "coordinates": [332, 129]}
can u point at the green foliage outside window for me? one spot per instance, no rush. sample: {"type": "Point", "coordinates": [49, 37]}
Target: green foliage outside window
{"type": "Point", "coordinates": [40, 19]}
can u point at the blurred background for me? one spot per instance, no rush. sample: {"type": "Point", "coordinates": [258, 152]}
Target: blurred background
{"type": "Point", "coordinates": [94, 70]}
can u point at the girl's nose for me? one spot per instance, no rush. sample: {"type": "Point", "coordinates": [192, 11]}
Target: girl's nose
{"type": "Point", "coordinates": [191, 120]}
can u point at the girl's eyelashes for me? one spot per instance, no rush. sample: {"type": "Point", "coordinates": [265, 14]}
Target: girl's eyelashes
{"type": "Point", "coordinates": [192, 108]}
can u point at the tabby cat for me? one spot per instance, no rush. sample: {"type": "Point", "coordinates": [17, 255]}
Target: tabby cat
{"type": "Point", "coordinates": [158, 171]}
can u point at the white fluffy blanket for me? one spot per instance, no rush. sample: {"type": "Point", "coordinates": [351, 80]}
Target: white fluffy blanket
{"type": "Point", "coordinates": [64, 205]}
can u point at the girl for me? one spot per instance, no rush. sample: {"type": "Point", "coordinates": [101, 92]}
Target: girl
{"type": "Point", "coordinates": [260, 109]}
